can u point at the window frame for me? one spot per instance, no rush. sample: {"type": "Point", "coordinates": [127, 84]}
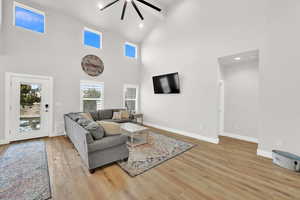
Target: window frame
{"type": "Point", "coordinates": [97, 99]}
{"type": "Point", "coordinates": [92, 31]}
{"type": "Point", "coordinates": [136, 50]}
{"type": "Point", "coordinates": [17, 4]}
{"type": "Point", "coordinates": [125, 87]}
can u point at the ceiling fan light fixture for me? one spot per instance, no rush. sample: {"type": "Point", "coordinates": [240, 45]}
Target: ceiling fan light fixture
{"type": "Point", "coordinates": [134, 5]}
{"type": "Point", "coordinates": [100, 6]}
{"type": "Point", "coordinates": [141, 25]}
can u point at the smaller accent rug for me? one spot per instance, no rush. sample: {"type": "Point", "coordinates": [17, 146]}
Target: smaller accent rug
{"type": "Point", "coordinates": [24, 172]}
{"type": "Point", "coordinates": [159, 149]}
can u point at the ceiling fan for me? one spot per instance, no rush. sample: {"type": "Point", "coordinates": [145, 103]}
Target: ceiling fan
{"type": "Point", "coordinates": [134, 5]}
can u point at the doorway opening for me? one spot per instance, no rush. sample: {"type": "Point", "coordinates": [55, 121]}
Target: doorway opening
{"type": "Point", "coordinates": [28, 103]}
{"type": "Point", "coordinates": [238, 104]}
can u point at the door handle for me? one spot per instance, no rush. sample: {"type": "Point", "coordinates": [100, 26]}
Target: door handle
{"type": "Point", "coordinates": [46, 107]}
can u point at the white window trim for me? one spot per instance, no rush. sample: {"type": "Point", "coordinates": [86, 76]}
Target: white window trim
{"type": "Point", "coordinates": [137, 95]}
{"type": "Point", "coordinates": [31, 9]}
{"type": "Point", "coordinates": [81, 96]}
{"type": "Point", "coordinates": [93, 31]}
{"type": "Point", "coordinates": [136, 50]}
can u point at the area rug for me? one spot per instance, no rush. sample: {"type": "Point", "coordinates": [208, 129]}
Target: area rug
{"type": "Point", "coordinates": [24, 172]}
{"type": "Point", "coordinates": [159, 149]}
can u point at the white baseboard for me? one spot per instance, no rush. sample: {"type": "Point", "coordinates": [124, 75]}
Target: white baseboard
{"type": "Point", "coordinates": [185, 133]}
{"type": "Point", "coordinates": [240, 137]}
{"type": "Point", "coordinates": [264, 153]}
{"type": "Point", "coordinates": [58, 134]}
{"type": "Point", "coordinates": [3, 142]}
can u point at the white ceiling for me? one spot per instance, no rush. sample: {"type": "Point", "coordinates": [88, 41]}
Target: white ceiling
{"type": "Point", "coordinates": [109, 19]}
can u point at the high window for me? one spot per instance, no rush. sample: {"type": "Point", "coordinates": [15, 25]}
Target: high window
{"type": "Point", "coordinates": [130, 50]}
{"type": "Point", "coordinates": [29, 18]}
{"type": "Point", "coordinates": [91, 96]}
{"type": "Point", "coordinates": [131, 97]}
{"type": "Point", "coordinates": [92, 38]}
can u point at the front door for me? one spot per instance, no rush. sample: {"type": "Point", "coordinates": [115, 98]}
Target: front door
{"type": "Point", "coordinates": [30, 107]}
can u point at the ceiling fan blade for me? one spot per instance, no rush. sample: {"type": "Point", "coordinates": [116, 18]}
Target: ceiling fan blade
{"type": "Point", "coordinates": [137, 10]}
{"type": "Point", "coordinates": [150, 5]}
{"type": "Point", "coordinates": [110, 4]}
{"type": "Point", "coordinates": [124, 9]}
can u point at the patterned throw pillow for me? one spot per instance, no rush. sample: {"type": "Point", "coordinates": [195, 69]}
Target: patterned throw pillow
{"type": "Point", "coordinates": [95, 130]}
{"type": "Point", "coordinates": [87, 116]}
{"type": "Point", "coordinates": [117, 116]}
{"type": "Point", "coordinates": [74, 116]}
{"type": "Point", "coordinates": [110, 128]}
{"type": "Point", "coordinates": [124, 114]}
{"type": "Point", "coordinates": [84, 122]}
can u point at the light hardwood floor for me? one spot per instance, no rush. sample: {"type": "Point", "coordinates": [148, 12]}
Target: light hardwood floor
{"type": "Point", "coordinates": [227, 171]}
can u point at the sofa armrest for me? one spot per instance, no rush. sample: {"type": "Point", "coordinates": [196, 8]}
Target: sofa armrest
{"type": "Point", "coordinates": [78, 136]}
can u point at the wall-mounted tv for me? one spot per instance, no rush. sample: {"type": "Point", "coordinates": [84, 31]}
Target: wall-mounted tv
{"type": "Point", "coordinates": [166, 84]}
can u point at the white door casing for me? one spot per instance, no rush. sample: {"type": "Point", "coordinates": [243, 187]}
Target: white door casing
{"type": "Point", "coordinates": [221, 107]}
{"type": "Point", "coordinates": [12, 106]}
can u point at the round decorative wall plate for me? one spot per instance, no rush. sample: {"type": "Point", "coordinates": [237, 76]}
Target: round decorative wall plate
{"type": "Point", "coordinates": [92, 65]}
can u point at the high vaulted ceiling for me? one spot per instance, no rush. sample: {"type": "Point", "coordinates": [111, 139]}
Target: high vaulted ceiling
{"type": "Point", "coordinates": [109, 19]}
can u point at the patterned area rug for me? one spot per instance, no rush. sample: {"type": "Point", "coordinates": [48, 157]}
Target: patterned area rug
{"type": "Point", "coordinates": [159, 149]}
{"type": "Point", "coordinates": [24, 172]}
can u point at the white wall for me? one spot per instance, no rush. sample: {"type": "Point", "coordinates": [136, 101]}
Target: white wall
{"type": "Point", "coordinates": [190, 41]}
{"type": "Point", "coordinates": [241, 98]}
{"type": "Point", "coordinates": [279, 79]}
{"type": "Point", "coordinates": [58, 53]}
{"type": "Point", "coordinates": [0, 14]}
{"type": "Point", "coordinates": [1, 18]}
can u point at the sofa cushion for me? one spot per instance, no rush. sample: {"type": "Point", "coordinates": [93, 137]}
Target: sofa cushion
{"type": "Point", "coordinates": [105, 114]}
{"type": "Point", "coordinates": [107, 142]}
{"type": "Point", "coordinates": [110, 128]}
{"type": "Point", "coordinates": [95, 130]}
{"type": "Point", "coordinates": [117, 120]}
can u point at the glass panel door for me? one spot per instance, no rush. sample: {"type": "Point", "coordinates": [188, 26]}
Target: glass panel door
{"type": "Point", "coordinates": [30, 107]}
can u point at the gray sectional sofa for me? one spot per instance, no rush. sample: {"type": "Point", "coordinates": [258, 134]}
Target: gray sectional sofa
{"type": "Point", "coordinates": [107, 115]}
{"type": "Point", "coordinates": [96, 148]}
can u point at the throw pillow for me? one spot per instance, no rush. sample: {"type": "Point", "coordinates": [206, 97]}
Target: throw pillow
{"type": "Point", "coordinates": [74, 116]}
{"type": "Point", "coordinates": [124, 114]}
{"type": "Point", "coordinates": [110, 128]}
{"type": "Point", "coordinates": [89, 138]}
{"type": "Point", "coordinates": [117, 116]}
{"type": "Point", "coordinates": [95, 130]}
{"type": "Point", "coordinates": [87, 116]}
{"type": "Point", "coordinates": [83, 122]}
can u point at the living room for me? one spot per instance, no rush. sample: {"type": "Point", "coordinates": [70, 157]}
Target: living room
{"type": "Point", "coordinates": [136, 43]}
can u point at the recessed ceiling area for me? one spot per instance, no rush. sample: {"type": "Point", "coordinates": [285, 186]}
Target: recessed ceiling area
{"type": "Point", "coordinates": [109, 19]}
{"type": "Point", "coordinates": [239, 58]}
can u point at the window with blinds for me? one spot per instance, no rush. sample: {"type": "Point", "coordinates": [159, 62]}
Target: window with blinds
{"type": "Point", "coordinates": [92, 96]}
{"type": "Point", "coordinates": [131, 98]}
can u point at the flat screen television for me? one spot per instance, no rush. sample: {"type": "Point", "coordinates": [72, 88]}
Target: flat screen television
{"type": "Point", "coordinates": [166, 84]}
